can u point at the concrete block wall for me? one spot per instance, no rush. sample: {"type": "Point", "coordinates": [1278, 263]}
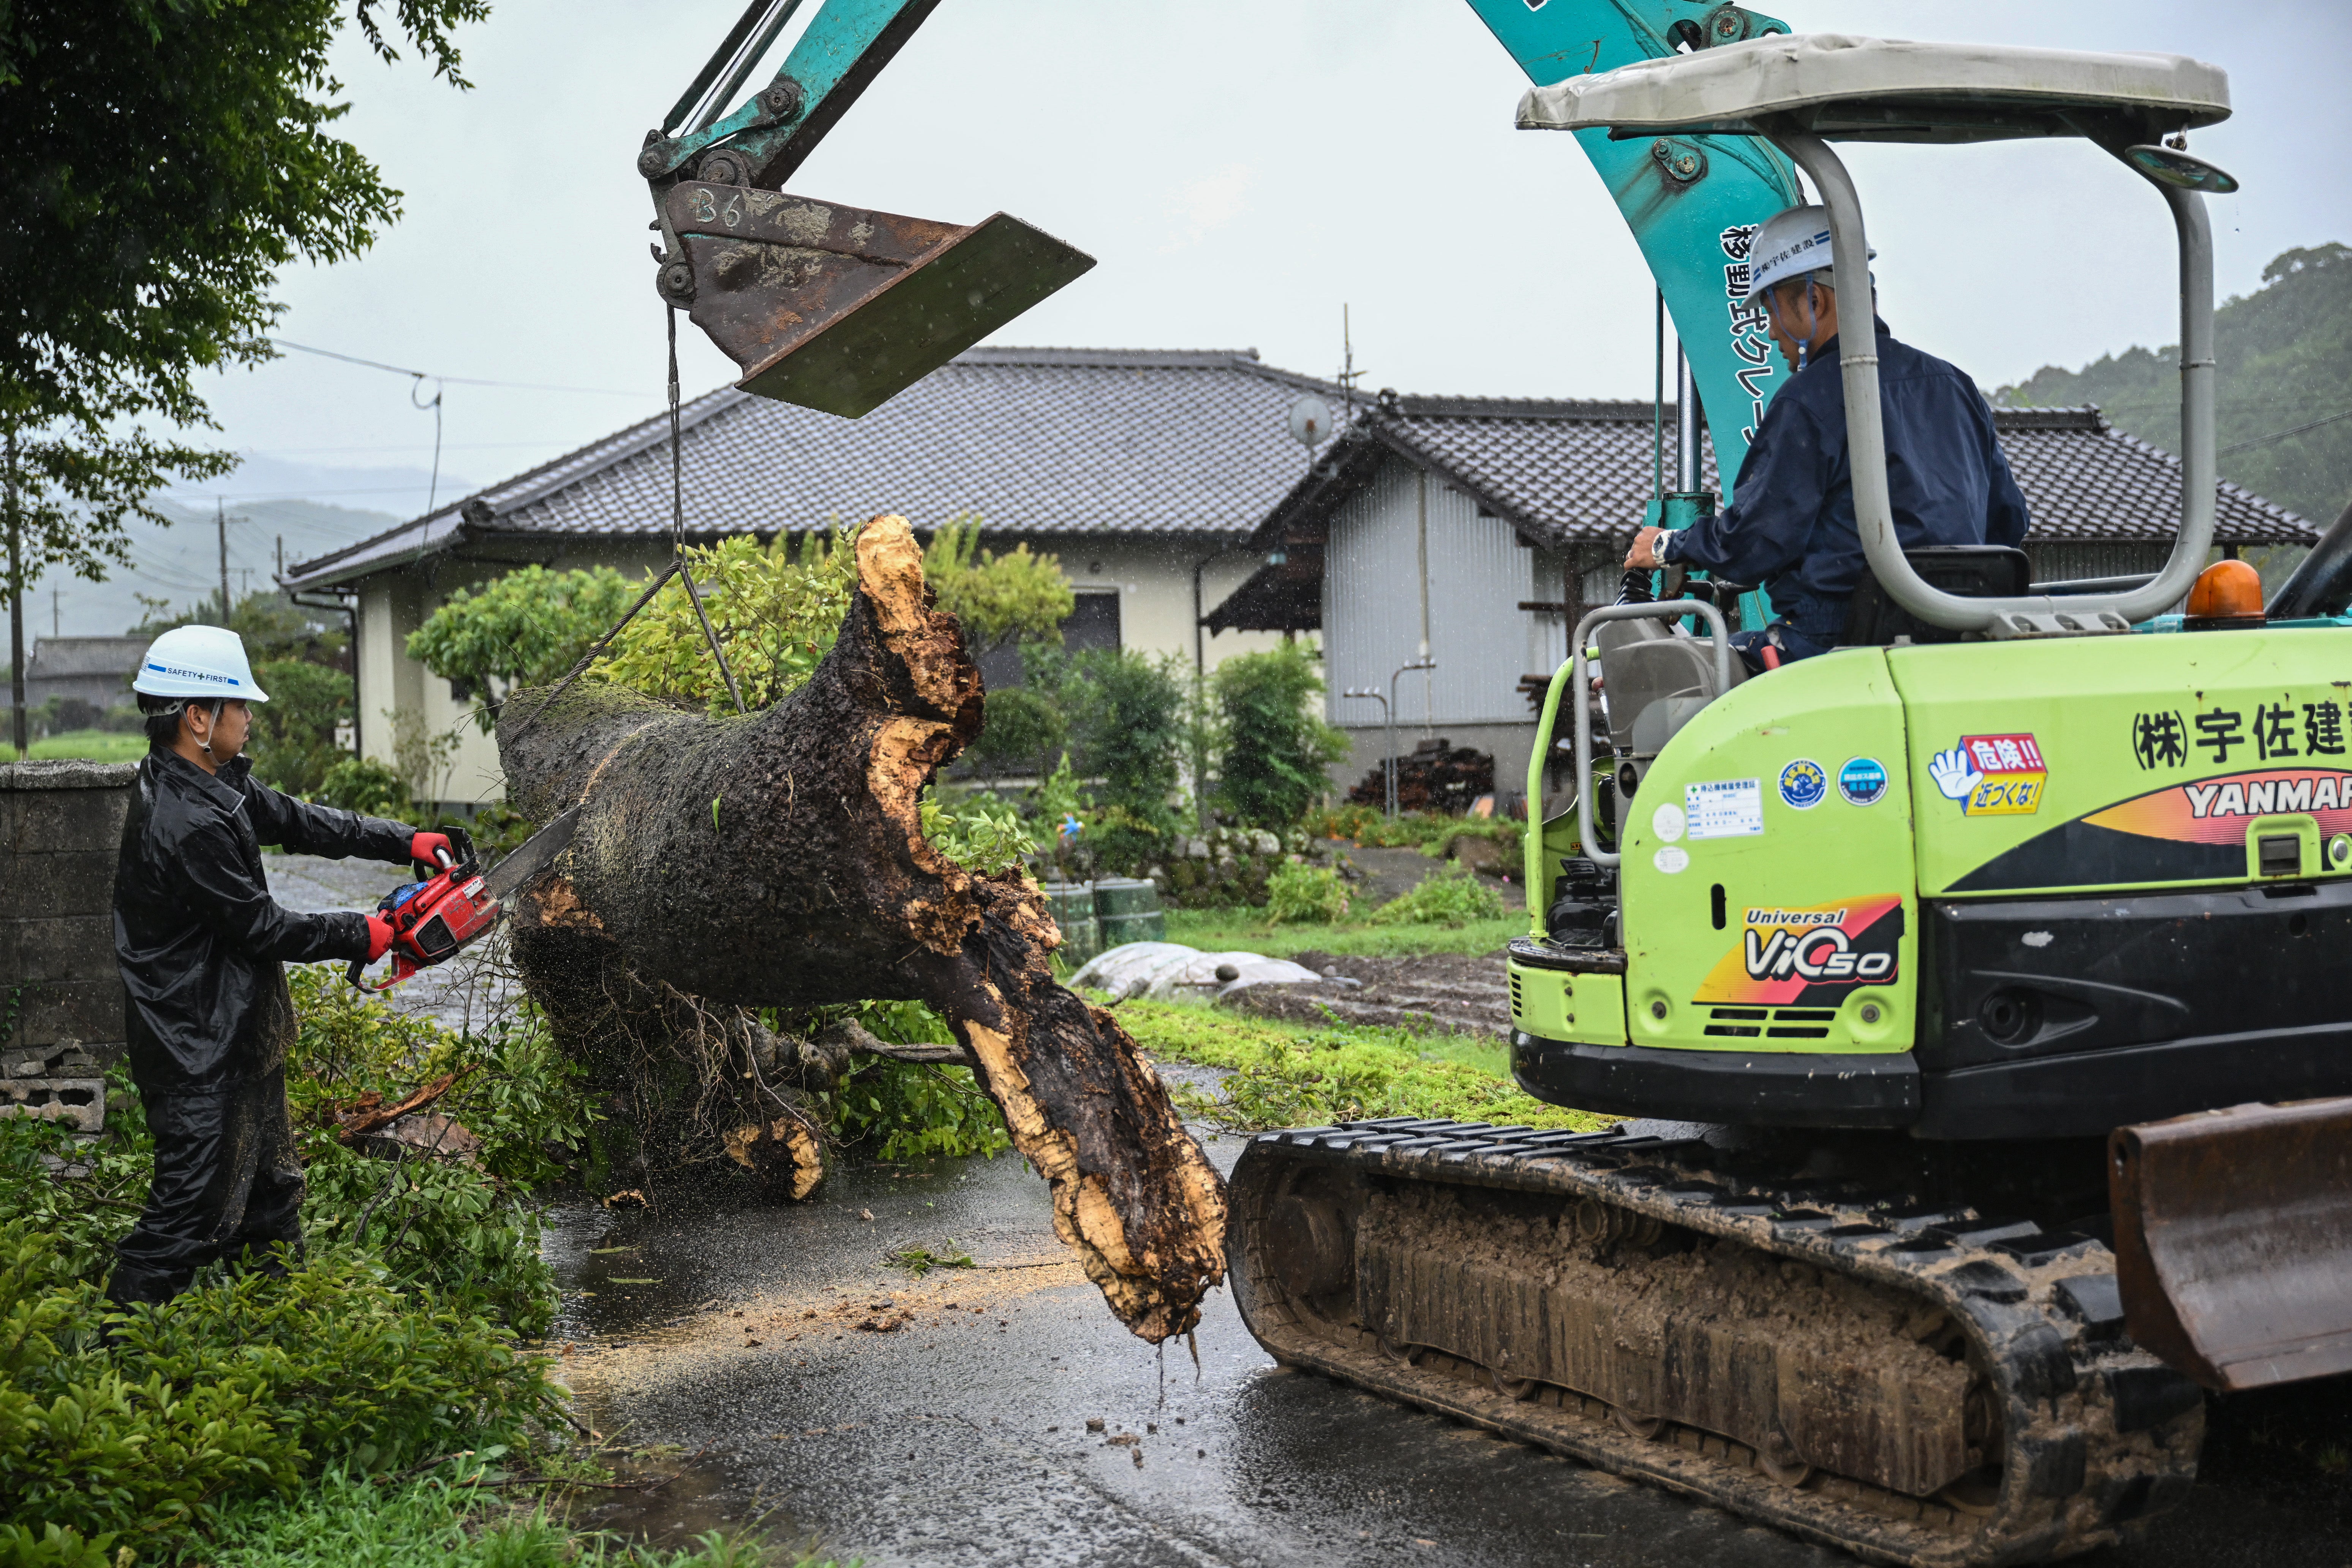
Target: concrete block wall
{"type": "Point", "coordinates": [61, 1000]}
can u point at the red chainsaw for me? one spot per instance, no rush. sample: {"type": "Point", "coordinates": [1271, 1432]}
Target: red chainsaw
{"type": "Point", "coordinates": [443, 910]}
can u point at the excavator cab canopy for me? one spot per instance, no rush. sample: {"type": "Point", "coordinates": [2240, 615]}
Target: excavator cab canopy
{"type": "Point", "coordinates": [1802, 90]}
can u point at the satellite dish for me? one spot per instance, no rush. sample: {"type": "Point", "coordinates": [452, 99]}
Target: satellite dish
{"type": "Point", "coordinates": [1310, 421]}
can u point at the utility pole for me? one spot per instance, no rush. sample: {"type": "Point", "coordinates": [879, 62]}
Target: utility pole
{"type": "Point", "coordinates": [15, 605]}
{"type": "Point", "coordinates": [54, 613]}
{"type": "Point", "coordinates": [220, 519]}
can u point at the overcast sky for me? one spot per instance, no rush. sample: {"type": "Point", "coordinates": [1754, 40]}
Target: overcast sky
{"type": "Point", "coordinates": [1240, 168]}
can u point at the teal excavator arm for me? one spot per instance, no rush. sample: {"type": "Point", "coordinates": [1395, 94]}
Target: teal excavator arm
{"type": "Point", "coordinates": [1691, 201]}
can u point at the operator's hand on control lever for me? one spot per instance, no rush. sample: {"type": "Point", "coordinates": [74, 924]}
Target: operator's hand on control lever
{"type": "Point", "coordinates": [433, 850]}
{"type": "Point", "coordinates": [379, 937]}
{"type": "Point", "coordinates": [1644, 553]}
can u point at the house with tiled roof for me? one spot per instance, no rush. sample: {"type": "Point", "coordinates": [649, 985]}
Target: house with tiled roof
{"type": "Point", "coordinates": [1483, 529]}
{"type": "Point", "coordinates": [1144, 470]}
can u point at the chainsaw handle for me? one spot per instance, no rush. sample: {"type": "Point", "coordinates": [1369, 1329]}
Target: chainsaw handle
{"type": "Point", "coordinates": [358, 968]}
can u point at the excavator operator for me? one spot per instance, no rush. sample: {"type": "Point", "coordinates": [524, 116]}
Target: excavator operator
{"type": "Point", "coordinates": [1792, 528]}
{"type": "Point", "coordinates": [199, 942]}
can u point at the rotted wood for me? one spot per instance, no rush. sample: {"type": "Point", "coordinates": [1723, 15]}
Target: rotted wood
{"type": "Point", "coordinates": [779, 860]}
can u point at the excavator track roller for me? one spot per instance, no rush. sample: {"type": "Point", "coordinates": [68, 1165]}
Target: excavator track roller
{"type": "Point", "coordinates": [1916, 1383]}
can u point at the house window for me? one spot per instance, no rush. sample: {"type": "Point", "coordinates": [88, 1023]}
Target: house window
{"type": "Point", "coordinates": [1093, 622]}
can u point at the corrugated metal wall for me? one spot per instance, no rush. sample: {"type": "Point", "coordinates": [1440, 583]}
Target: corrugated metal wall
{"type": "Point", "coordinates": [1479, 575]}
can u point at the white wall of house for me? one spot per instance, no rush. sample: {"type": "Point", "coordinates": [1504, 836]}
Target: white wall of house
{"type": "Point", "coordinates": [1152, 578]}
{"type": "Point", "coordinates": [1477, 573]}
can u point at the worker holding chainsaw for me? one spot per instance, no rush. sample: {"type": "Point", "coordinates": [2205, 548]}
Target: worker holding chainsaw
{"type": "Point", "coordinates": [199, 941]}
{"type": "Point", "coordinates": [1793, 529]}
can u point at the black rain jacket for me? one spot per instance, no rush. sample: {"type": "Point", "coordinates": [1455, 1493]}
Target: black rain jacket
{"type": "Point", "coordinates": [1792, 528]}
{"type": "Point", "coordinates": [197, 935]}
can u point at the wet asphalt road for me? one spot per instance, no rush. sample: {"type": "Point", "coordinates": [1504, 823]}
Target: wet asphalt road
{"type": "Point", "coordinates": [958, 1436]}
{"type": "Point", "coordinates": [961, 1437]}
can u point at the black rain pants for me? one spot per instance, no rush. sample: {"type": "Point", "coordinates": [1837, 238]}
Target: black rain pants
{"type": "Point", "coordinates": [227, 1185]}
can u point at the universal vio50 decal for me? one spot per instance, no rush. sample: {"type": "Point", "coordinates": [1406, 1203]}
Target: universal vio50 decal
{"type": "Point", "coordinates": [1812, 957]}
{"type": "Point", "coordinates": [1991, 776]}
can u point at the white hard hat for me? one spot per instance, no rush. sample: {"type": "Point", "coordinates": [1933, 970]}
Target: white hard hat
{"type": "Point", "coordinates": [197, 661]}
{"type": "Point", "coordinates": [1787, 246]}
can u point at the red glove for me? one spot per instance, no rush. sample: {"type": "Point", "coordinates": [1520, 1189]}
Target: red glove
{"type": "Point", "coordinates": [433, 850]}
{"type": "Point", "coordinates": [379, 937]}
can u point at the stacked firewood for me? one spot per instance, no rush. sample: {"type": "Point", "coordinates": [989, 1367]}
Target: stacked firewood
{"type": "Point", "coordinates": [1437, 776]}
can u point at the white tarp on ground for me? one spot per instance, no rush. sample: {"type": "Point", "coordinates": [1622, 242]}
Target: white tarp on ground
{"type": "Point", "coordinates": [1165, 970]}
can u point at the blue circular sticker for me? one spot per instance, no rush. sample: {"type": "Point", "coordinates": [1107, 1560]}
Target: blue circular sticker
{"type": "Point", "coordinates": [1804, 784]}
{"type": "Point", "coordinates": [1861, 782]}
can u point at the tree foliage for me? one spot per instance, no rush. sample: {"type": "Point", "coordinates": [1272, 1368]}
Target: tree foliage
{"type": "Point", "coordinates": [2280, 351]}
{"type": "Point", "coordinates": [1275, 749]}
{"type": "Point", "coordinates": [165, 158]}
{"type": "Point", "coordinates": [525, 628]}
{"type": "Point", "coordinates": [996, 598]}
{"type": "Point", "coordinates": [776, 609]}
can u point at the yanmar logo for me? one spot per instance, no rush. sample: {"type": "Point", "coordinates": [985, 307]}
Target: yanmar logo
{"type": "Point", "coordinates": [2221, 810]}
{"type": "Point", "coordinates": [2263, 797]}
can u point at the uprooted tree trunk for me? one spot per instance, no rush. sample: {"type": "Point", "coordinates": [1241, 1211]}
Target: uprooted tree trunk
{"type": "Point", "coordinates": [779, 860]}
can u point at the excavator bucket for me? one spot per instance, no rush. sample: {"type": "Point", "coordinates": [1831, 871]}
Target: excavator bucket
{"type": "Point", "coordinates": [839, 309]}
{"type": "Point", "coordinates": [2233, 1240]}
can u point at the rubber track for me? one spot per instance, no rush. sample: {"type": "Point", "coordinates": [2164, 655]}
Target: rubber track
{"type": "Point", "coordinates": [2098, 1433]}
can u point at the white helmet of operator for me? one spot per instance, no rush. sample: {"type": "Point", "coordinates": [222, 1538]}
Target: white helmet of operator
{"type": "Point", "coordinates": [198, 662]}
{"type": "Point", "coordinates": [1789, 245]}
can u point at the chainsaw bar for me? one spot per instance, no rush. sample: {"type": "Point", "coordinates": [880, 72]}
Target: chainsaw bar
{"type": "Point", "coordinates": [535, 855]}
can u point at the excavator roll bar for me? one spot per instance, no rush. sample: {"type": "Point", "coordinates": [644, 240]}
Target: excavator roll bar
{"type": "Point", "coordinates": [1797, 90]}
{"type": "Point", "coordinates": [2033, 615]}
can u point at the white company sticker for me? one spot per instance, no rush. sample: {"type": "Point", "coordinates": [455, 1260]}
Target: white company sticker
{"type": "Point", "coordinates": [1725, 808]}
{"type": "Point", "coordinates": [1666, 822]}
{"type": "Point", "coordinates": [1674, 858]}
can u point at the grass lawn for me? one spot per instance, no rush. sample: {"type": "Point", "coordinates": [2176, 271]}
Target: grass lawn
{"type": "Point", "coordinates": [1247, 930]}
{"type": "Point", "coordinates": [1302, 1075]}
{"type": "Point", "coordinates": [97, 745]}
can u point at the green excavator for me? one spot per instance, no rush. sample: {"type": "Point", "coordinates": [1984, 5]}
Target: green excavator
{"type": "Point", "coordinates": [1974, 984]}
{"type": "Point", "coordinates": [1977, 980]}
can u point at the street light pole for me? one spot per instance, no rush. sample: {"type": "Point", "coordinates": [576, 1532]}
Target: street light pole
{"type": "Point", "coordinates": [1388, 760]}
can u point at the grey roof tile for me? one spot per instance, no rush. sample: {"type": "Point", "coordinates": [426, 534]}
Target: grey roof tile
{"type": "Point", "coordinates": [1034, 441]}
{"type": "Point", "coordinates": [1579, 473]}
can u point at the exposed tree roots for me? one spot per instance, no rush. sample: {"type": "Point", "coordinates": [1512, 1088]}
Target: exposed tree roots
{"type": "Point", "coordinates": [779, 860]}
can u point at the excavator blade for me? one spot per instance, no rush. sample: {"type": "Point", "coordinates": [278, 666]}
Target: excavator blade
{"type": "Point", "coordinates": [839, 309]}
{"type": "Point", "coordinates": [2233, 1240]}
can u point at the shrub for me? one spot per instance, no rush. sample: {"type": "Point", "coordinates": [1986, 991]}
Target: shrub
{"type": "Point", "coordinates": [1125, 710]}
{"type": "Point", "coordinates": [365, 785]}
{"type": "Point", "coordinates": [996, 598]}
{"type": "Point", "coordinates": [525, 627]}
{"type": "Point", "coordinates": [1451, 897]}
{"type": "Point", "coordinates": [1021, 730]}
{"type": "Point", "coordinates": [1299, 894]}
{"type": "Point", "coordinates": [776, 608]}
{"type": "Point", "coordinates": [294, 733]}
{"type": "Point", "coordinates": [980, 833]}
{"type": "Point", "coordinates": [1274, 750]}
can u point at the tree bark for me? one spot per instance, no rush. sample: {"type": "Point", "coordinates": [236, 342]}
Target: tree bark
{"type": "Point", "coordinates": [779, 860]}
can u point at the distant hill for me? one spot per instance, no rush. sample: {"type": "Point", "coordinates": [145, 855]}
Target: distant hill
{"type": "Point", "coordinates": [182, 563]}
{"type": "Point", "coordinates": [2283, 353]}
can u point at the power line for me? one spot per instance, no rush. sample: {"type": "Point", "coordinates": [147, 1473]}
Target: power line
{"type": "Point", "coordinates": [2282, 435]}
{"type": "Point", "coordinates": [452, 380]}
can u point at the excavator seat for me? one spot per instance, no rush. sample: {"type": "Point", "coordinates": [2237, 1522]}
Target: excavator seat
{"type": "Point", "coordinates": [1971, 570]}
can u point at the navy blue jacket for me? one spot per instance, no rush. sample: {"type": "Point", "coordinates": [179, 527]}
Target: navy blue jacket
{"type": "Point", "coordinates": [1791, 528]}
{"type": "Point", "coordinates": [197, 936]}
